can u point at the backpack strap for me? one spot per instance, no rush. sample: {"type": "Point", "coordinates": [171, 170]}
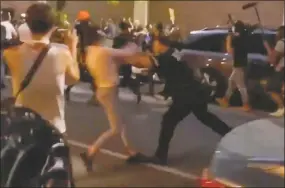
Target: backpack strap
{"type": "Point", "coordinates": [33, 70]}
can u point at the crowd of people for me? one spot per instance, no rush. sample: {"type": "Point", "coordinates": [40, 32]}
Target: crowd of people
{"type": "Point", "coordinates": [82, 46]}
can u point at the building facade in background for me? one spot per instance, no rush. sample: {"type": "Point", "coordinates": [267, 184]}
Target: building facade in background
{"type": "Point", "coordinates": [98, 9]}
{"type": "Point", "coordinates": [189, 15]}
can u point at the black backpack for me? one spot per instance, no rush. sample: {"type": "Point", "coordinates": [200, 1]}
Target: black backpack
{"type": "Point", "coordinates": [3, 36]}
{"type": "Point", "coordinates": [33, 152]}
{"type": "Point", "coordinates": [3, 33]}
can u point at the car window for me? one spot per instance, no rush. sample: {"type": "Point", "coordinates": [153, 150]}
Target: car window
{"type": "Point", "coordinates": [255, 43]}
{"type": "Point", "coordinates": [212, 43]}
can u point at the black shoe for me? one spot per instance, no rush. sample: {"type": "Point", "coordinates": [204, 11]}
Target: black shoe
{"type": "Point", "coordinates": [87, 161]}
{"type": "Point", "coordinates": [3, 86]}
{"type": "Point", "coordinates": [67, 96]}
{"type": "Point", "coordinates": [158, 161]}
{"type": "Point", "coordinates": [137, 158]}
{"type": "Point", "coordinates": [139, 98]}
{"type": "Point", "coordinates": [164, 95]}
{"type": "Point", "coordinates": [93, 102]}
{"type": "Point", "coordinates": [140, 158]}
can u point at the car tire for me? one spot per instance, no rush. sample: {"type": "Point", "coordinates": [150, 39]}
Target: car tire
{"type": "Point", "coordinates": [216, 80]}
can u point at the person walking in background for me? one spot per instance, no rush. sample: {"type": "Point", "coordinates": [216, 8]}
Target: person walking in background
{"type": "Point", "coordinates": [112, 30]}
{"type": "Point", "coordinates": [3, 36]}
{"type": "Point", "coordinates": [158, 31]}
{"type": "Point", "coordinates": [8, 32]}
{"type": "Point", "coordinates": [81, 26]}
{"type": "Point", "coordinates": [276, 58]}
{"type": "Point", "coordinates": [120, 41]}
{"type": "Point", "coordinates": [236, 44]}
{"type": "Point", "coordinates": [11, 32]}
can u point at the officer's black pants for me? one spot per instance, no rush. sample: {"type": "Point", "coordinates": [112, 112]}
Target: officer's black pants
{"type": "Point", "coordinates": [179, 109]}
{"type": "Point", "coordinates": [126, 73]}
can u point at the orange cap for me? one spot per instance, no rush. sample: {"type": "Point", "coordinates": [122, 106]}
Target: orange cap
{"type": "Point", "coordinates": [83, 15]}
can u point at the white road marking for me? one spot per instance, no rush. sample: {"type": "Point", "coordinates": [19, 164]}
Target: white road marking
{"type": "Point", "coordinates": [169, 170]}
{"type": "Point", "coordinates": [77, 167]}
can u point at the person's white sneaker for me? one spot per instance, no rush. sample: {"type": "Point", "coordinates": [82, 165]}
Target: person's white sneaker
{"type": "Point", "coordinates": [159, 97]}
{"type": "Point", "coordinates": [278, 113]}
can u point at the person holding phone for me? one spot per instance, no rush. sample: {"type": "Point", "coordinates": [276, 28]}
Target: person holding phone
{"type": "Point", "coordinates": [45, 93]}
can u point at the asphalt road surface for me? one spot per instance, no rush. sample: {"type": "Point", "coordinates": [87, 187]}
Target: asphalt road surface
{"type": "Point", "coordinates": [191, 148]}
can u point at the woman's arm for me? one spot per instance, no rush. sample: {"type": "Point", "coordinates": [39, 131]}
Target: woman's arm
{"type": "Point", "coordinates": [130, 55]}
{"type": "Point", "coordinates": [128, 50]}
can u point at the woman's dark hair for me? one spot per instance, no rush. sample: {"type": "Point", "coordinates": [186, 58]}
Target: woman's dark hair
{"type": "Point", "coordinates": [40, 18]}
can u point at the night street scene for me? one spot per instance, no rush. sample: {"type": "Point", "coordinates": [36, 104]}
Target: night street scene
{"type": "Point", "coordinates": [142, 94]}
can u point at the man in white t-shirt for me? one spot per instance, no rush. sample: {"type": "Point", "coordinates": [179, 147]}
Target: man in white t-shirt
{"type": "Point", "coordinates": [24, 32]}
{"type": "Point", "coordinates": [276, 58]}
{"type": "Point", "coordinates": [9, 33]}
{"type": "Point", "coordinates": [45, 93]}
{"type": "Point", "coordinates": [10, 29]}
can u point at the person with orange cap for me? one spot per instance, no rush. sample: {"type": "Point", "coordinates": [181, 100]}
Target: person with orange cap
{"type": "Point", "coordinates": [82, 23]}
{"type": "Point", "coordinates": [83, 15]}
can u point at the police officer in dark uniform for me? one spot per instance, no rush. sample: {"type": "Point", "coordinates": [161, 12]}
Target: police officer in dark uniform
{"type": "Point", "coordinates": [189, 96]}
{"type": "Point", "coordinates": [126, 69]}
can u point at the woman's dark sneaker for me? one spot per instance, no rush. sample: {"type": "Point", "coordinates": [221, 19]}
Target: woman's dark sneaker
{"type": "Point", "coordinates": [87, 161]}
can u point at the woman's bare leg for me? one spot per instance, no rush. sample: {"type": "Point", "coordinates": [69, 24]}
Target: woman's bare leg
{"type": "Point", "coordinates": [126, 143]}
{"type": "Point", "coordinates": [110, 104]}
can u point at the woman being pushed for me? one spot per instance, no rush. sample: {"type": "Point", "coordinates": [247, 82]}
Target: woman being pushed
{"type": "Point", "coordinates": [102, 63]}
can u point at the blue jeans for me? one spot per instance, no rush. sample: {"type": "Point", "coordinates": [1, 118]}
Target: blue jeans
{"type": "Point", "coordinates": [2, 73]}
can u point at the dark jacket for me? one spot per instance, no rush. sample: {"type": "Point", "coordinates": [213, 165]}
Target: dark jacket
{"type": "Point", "coordinates": [122, 39]}
{"type": "Point", "coordinates": [82, 33]}
{"type": "Point", "coordinates": [178, 76]}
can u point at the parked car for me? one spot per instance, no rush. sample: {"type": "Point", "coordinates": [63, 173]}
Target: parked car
{"type": "Point", "coordinates": [251, 155]}
{"type": "Point", "coordinates": [206, 49]}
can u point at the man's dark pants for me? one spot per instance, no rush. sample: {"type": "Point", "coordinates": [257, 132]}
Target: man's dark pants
{"type": "Point", "coordinates": [126, 71]}
{"type": "Point", "coordinates": [181, 107]}
{"type": "Point", "coordinates": [128, 81]}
